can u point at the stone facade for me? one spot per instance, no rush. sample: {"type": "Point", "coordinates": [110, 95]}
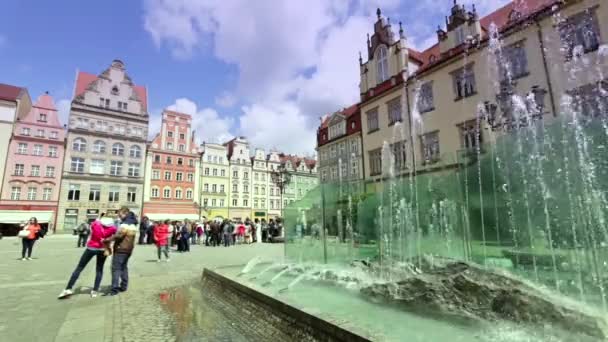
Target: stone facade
{"type": "Point", "coordinates": [34, 164]}
{"type": "Point", "coordinates": [215, 180]}
{"type": "Point", "coordinates": [172, 185]}
{"type": "Point", "coordinates": [239, 194]}
{"type": "Point", "coordinates": [106, 144]}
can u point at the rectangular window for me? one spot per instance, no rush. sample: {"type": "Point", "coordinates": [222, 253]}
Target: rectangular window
{"type": "Point", "coordinates": [245, 203]}
{"type": "Point", "coordinates": [169, 160]}
{"type": "Point", "coordinates": [46, 194]}
{"type": "Point", "coordinates": [206, 171]}
{"type": "Point", "coordinates": [470, 135]}
{"type": "Point", "coordinates": [375, 162]}
{"type": "Point", "coordinates": [245, 188]}
{"type": "Point", "coordinates": [115, 168]}
{"type": "Point", "coordinates": [155, 192]}
{"type": "Point", "coordinates": [234, 203]}
{"type": "Point", "coordinates": [97, 166]}
{"type": "Point", "coordinates": [178, 193]}
{"type": "Point", "coordinates": [425, 98]}
{"type": "Point", "coordinates": [131, 194]}
{"type": "Point", "coordinates": [191, 162]}
{"type": "Point", "coordinates": [156, 158]}
{"type": "Point", "coordinates": [133, 170]}
{"type": "Point", "coordinates": [580, 33]}
{"type": "Point", "coordinates": [221, 188]}
{"type": "Point", "coordinates": [155, 174]}
{"type": "Point", "coordinates": [50, 171]}
{"type": "Point", "coordinates": [372, 120]}
{"type": "Point", "coordinates": [334, 172]}
{"type": "Point", "coordinates": [459, 35]}
{"type": "Point", "coordinates": [22, 148]}
{"type": "Point", "coordinates": [215, 172]}
{"type": "Point", "coordinates": [169, 146]}
{"type": "Point", "coordinates": [182, 136]}
{"type": "Point", "coordinates": [95, 193]}
{"type": "Point", "coordinates": [15, 193]}
{"type": "Point", "coordinates": [179, 176]}
{"type": "Point", "coordinates": [167, 175]}
{"type": "Point", "coordinates": [31, 193]}
{"type": "Point", "coordinates": [394, 111]}
{"type": "Point", "coordinates": [221, 203]}
{"type": "Point", "coordinates": [235, 188]}
{"type": "Point", "coordinates": [181, 148]}
{"type": "Point", "coordinates": [214, 188]}
{"type": "Point", "coordinates": [190, 177]}
{"type": "Point", "coordinates": [464, 82]}
{"type": "Point", "coordinates": [42, 117]}
{"type": "Point", "coordinates": [400, 154]}
{"type": "Point", "coordinates": [590, 100]}
{"type": "Point", "coordinates": [25, 131]}
{"type": "Point", "coordinates": [54, 135]}
{"type": "Point", "coordinates": [245, 175]}
{"type": "Point", "coordinates": [430, 147]}
{"type": "Point", "coordinates": [512, 62]}
{"type": "Point", "coordinates": [354, 168]}
{"type": "Point", "coordinates": [180, 161]}
{"type": "Point", "coordinates": [35, 171]}
{"type": "Point", "coordinates": [114, 194]}
{"type": "Point", "coordinates": [206, 188]}
{"type": "Point", "coordinates": [53, 151]}
{"type": "Point", "coordinates": [170, 134]}
{"type": "Point", "coordinates": [223, 173]}
{"type": "Point", "coordinates": [40, 133]}
{"type": "Point", "coordinates": [235, 174]}
{"type": "Point", "coordinates": [77, 165]}
{"type": "Point", "coordinates": [74, 192]}
{"type": "Point", "coordinates": [337, 130]}
{"type": "Point", "coordinates": [167, 193]}
{"type": "Point", "coordinates": [213, 202]}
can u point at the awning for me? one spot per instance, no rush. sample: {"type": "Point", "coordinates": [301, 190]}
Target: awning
{"type": "Point", "coordinates": [22, 216]}
{"type": "Point", "coordinates": [172, 217]}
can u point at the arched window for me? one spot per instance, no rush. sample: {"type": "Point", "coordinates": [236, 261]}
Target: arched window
{"type": "Point", "coordinates": [189, 194]}
{"type": "Point", "coordinates": [118, 149]}
{"type": "Point", "coordinates": [155, 192]}
{"type": "Point", "coordinates": [135, 151]}
{"type": "Point", "coordinates": [382, 64]}
{"type": "Point", "coordinates": [99, 147]}
{"type": "Point", "coordinates": [167, 192]}
{"type": "Point", "coordinates": [79, 144]}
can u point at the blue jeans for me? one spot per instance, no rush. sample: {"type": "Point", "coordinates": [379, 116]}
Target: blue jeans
{"type": "Point", "coordinates": [120, 272]}
{"type": "Point", "coordinates": [84, 260]}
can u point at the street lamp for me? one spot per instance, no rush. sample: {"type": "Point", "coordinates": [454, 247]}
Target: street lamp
{"type": "Point", "coordinates": [281, 178]}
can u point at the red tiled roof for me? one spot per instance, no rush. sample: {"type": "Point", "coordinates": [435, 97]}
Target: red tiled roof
{"type": "Point", "coordinates": [346, 112]}
{"type": "Point", "coordinates": [84, 79]}
{"type": "Point", "coordinates": [9, 92]}
{"type": "Point", "coordinates": [499, 17]}
{"type": "Point", "coordinates": [417, 55]}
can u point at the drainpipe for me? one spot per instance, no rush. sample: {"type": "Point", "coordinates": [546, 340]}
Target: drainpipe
{"type": "Point", "coordinates": [410, 122]}
{"type": "Point", "coordinates": [546, 67]}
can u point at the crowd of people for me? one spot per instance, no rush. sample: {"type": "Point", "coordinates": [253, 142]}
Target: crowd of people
{"type": "Point", "coordinates": [216, 232]}
{"type": "Point", "coordinates": [116, 237]}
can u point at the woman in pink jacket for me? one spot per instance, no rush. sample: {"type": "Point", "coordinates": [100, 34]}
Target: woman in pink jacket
{"type": "Point", "coordinates": [100, 230]}
{"type": "Point", "coordinates": [161, 238]}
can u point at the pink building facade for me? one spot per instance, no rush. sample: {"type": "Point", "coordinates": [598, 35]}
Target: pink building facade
{"type": "Point", "coordinates": [34, 164]}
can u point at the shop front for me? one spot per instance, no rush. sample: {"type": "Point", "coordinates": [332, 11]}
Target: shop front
{"type": "Point", "coordinates": [11, 221]}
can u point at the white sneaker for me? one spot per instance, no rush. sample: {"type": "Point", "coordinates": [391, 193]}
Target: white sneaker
{"type": "Point", "coordinates": [168, 260]}
{"type": "Point", "coordinates": [29, 258]}
{"type": "Point", "coordinates": [23, 259]}
{"type": "Point", "coordinates": [158, 260]}
{"type": "Point", "coordinates": [65, 293]}
{"type": "Point", "coordinates": [94, 294]}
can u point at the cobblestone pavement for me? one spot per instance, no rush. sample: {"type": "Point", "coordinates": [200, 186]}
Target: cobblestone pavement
{"type": "Point", "coordinates": [30, 310]}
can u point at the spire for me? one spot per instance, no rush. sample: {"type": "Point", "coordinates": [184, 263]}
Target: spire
{"type": "Point", "coordinates": [368, 42]}
{"type": "Point", "coordinates": [401, 35]}
{"type": "Point", "coordinates": [388, 19]}
{"type": "Point", "coordinates": [360, 59]}
{"type": "Point", "coordinates": [379, 12]}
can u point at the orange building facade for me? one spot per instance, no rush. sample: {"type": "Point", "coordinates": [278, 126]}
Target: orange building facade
{"type": "Point", "coordinates": [172, 189]}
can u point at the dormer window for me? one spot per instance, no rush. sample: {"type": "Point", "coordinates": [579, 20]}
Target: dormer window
{"type": "Point", "coordinates": [42, 117]}
{"type": "Point", "coordinates": [433, 59]}
{"type": "Point", "coordinates": [337, 130]}
{"type": "Point", "coordinates": [382, 64]}
{"type": "Point", "coordinates": [514, 16]}
{"type": "Point", "coordinates": [114, 90]}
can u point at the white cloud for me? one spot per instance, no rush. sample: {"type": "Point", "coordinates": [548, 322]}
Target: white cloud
{"type": "Point", "coordinates": [226, 100]}
{"type": "Point", "coordinates": [297, 60]}
{"type": "Point", "coordinates": [209, 125]}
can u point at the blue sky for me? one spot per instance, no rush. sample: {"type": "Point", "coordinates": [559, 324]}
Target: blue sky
{"type": "Point", "coordinates": [265, 69]}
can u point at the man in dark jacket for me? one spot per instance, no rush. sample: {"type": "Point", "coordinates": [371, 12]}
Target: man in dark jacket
{"type": "Point", "coordinates": [83, 231]}
{"type": "Point", "coordinates": [124, 242]}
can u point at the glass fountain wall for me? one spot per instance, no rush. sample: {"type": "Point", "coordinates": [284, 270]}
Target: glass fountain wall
{"type": "Point", "coordinates": [533, 203]}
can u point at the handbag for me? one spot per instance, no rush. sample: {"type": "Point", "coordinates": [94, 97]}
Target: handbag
{"type": "Point", "coordinates": [23, 233]}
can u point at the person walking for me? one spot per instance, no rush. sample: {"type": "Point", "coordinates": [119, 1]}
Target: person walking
{"type": "Point", "coordinates": [161, 239]}
{"type": "Point", "coordinates": [258, 231]}
{"type": "Point", "coordinates": [264, 230]}
{"type": "Point", "coordinates": [29, 235]}
{"type": "Point", "coordinates": [185, 237]}
{"type": "Point", "coordinates": [124, 242]}
{"type": "Point", "coordinates": [100, 230]}
{"type": "Point", "coordinates": [227, 231]}
{"type": "Point", "coordinates": [83, 232]}
{"type": "Point", "coordinates": [143, 230]}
